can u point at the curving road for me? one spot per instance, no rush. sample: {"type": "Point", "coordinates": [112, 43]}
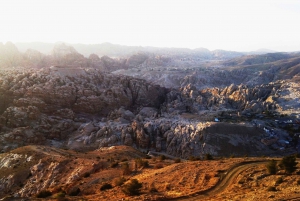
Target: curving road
{"type": "Point", "coordinates": [225, 180]}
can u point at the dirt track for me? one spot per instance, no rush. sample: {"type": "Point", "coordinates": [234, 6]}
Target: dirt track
{"type": "Point", "coordinates": [226, 179]}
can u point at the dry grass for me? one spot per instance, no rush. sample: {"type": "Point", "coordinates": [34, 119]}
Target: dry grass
{"type": "Point", "coordinates": [160, 180]}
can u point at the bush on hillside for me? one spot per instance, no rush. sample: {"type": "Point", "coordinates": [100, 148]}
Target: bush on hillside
{"type": "Point", "coordinates": [288, 163]}
{"type": "Point", "coordinates": [272, 167]}
{"type": "Point", "coordinates": [43, 194]}
{"type": "Point", "coordinates": [105, 186]}
{"type": "Point", "coordinates": [132, 188]}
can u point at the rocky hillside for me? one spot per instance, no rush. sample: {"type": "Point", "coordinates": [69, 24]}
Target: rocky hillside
{"type": "Point", "coordinates": [53, 102]}
{"type": "Point", "coordinates": [47, 173]}
{"type": "Point", "coordinates": [248, 70]}
{"type": "Point", "coordinates": [84, 109]}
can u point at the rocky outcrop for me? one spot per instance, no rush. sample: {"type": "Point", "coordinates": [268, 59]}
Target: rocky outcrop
{"type": "Point", "coordinates": [51, 103]}
{"type": "Point", "coordinates": [136, 60]}
{"type": "Point", "coordinates": [239, 97]}
{"type": "Point", "coordinates": [84, 109]}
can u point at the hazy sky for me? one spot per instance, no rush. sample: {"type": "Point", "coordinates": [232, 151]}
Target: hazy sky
{"type": "Point", "coordinates": [241, 25]}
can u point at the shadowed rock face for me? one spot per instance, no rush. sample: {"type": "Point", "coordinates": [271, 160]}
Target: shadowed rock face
{"type": "Point", "coordinates": [82, 90]}
{"type": "Point", "coordinates": [50, 102]}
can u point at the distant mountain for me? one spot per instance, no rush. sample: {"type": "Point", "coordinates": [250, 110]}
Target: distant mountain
{"type": "Point", "coordinates": [258, 59]}
{"type": "Point", "coordinates": [114, 50]}
{"type": "Point", "coordinates": [262, 51]}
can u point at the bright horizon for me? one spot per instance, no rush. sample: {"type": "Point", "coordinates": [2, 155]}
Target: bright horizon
{"type": "Point", "coordinates": [215, 24]}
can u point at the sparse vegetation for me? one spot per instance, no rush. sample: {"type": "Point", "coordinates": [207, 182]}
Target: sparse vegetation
{"type": "Point", "coordinates": [119, 181]}
{"type": "Point", "coordinates": [132, 188]}
{"type": "Point", "coordinates": [86, 174]}
{"type": "Point", "coordinates": [60, 195]}
{"type": "Point", "coordinates": [272, 167]}
{"type": "Point", "coordinates": [124, 160]}
{"type": "Point", "coordinates": [153, 190]}
{"type": "Point", "coordinates": [208, 157]}
{"type": "Point", "coordinates": [105, 186]}
{"type": "Point", "coordinates": [288, 163]}
{"type": "Point", "coordinates": [279, 181]}
{"type": "Point", "coordinates": [126, 169]}
{"type": "Point", "coordinates": [43, 194]}
{"type": "Point", "coordinates": [141, 163]}
{"type": "Point", "coordinates": [271, 188]}
{"type": "Point", "coordinates": [158, 165]}
{"type": "Point", "coordinates": [114, 164]}
{"type": "Point", "coordinates": [192, 158]}
{"type": "Point", "coordinates": [74, 191]}
{"type": "Point", "coordinates": [162, 157]}
{"type": "Point", "coordinates": [177, 160]}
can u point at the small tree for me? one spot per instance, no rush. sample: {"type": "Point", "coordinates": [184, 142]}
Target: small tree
{"type": "Point", "coordinates": [132, 188]}
{"type": "Point", "coordinates": [288, 163]}
{"type": "Point", "coordinates": [272, 167]}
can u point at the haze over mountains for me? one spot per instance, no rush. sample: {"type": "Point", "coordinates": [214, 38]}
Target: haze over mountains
{"type": "Point", "coordinates": [114, 50]}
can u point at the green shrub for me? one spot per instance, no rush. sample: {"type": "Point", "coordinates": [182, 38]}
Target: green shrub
{"type": "Point", "coordinates": [132, 188]}
{"type": "Point", "coordinates": [43, 194]}
{"type": "Point", "coordinates": [106, 186]}
{"type": "Point", "coordinates": [288, 163]}
{"type": "Point", "coordinates": [272, 167]}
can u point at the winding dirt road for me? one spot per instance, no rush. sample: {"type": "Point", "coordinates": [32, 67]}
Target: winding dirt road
{"type": "Point", "coordinates": [226, 179]}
